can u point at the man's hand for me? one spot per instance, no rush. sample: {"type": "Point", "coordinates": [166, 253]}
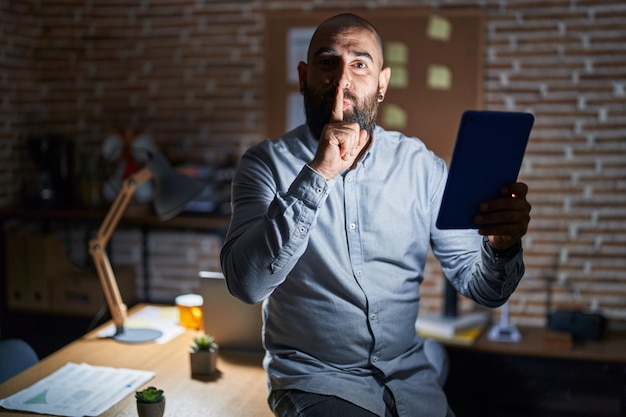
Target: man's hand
{"type": "Point", "coordinates": [506, 218]}
{"type": "Point", "coordinates": [340, 143]}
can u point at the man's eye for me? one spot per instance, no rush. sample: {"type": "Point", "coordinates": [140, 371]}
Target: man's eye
{"type": "Point", "coordinates": [361, 65]}
{"type": "Point", "coordinates": [326, 62]}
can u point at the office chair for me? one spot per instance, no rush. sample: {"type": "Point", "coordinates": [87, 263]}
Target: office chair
{"type": "Point", "coordinates": [437, 355]}
{"type": "Point", "coordinates": [15, 356]}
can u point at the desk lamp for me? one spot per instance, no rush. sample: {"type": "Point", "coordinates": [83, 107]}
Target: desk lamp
{"type": "Point", "coordinates": [173, 191]}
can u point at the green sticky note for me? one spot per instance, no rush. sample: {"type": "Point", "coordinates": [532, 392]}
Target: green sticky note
{"type": "Point", "coordinates": [396, 52]}
{"type": "Point", "coordinates": [439, 77]}
{"type": "Point", "coordinates": [439, 28]}
{"type": "Point", "coordinates": [393, 116]}
{"type": "Point", "coordinates": [399, 77]}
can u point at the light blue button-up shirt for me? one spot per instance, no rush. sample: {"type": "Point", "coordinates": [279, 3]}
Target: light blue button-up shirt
{"type": "Point", "coordinates": [338, 265]}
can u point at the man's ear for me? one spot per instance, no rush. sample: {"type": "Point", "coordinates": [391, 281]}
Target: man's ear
{"type": "Point", "coordinates": [302, 72]}
{"type": "Point", "coordinates": [383, 80]}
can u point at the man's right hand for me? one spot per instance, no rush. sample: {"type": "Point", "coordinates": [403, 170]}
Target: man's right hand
{"type": "Point", "coordinates": [340, 144]}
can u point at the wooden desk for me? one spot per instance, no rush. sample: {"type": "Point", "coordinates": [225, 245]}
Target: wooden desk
{"type": "Point", "coordinates": [534, 378]}
{"type": "Point", "coordinates": [237, 390]}
{"type": "Point", "coordinates": [611, 348]}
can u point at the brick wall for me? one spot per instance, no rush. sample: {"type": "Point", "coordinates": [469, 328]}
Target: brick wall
{"type": "Point", "coordinates": [191, 74]}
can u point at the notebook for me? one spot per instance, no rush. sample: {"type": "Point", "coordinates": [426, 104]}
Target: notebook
{"type": "Point", "coordinates": [234, 324]}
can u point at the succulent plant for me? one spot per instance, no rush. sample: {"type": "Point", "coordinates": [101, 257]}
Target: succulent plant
{"type": "Point", "coordinates": [149, 395]}
{"type": "Point", "coordinates": [204, 343]}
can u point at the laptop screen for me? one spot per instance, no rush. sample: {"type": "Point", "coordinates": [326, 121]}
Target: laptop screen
{"type": "Point", "coordinates": [233, 323]}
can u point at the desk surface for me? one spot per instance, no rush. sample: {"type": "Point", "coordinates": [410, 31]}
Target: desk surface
{"type": "Point", "coordinates": [238, 389]}
{"type": "Point", "coordinates": [535, 342]}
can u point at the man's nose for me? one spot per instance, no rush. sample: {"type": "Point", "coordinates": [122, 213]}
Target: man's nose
{"type": "Point", "coordinates": [343, 78]}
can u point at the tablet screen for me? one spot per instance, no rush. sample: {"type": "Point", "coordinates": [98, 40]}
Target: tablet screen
{"type": "Point", "coordinates": [488, 155]}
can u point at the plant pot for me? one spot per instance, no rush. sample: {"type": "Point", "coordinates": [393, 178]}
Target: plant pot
{"type": "Point", "coordinates": [151, 410]}
{"type": "Point", "coordinates": [203, 362]}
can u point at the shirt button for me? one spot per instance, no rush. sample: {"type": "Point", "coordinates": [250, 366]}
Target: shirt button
{"type": "Point", "coordinates": [302, 229]}
{"type": "Point", "coordinates": [352, 226]}
{"type": "Point", "coordinates": [318, 190]}
{"type": "Point", "coordinates": [359, 273]}
{"type": "Point", "coordinates": [374, 358]}
{"type": "Point", "coordinates": [373, 316]}
{"type": "Point", "coordinates": [349, 178]}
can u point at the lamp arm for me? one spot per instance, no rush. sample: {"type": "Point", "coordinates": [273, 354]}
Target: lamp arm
{"type": "Point", "coordinates": [97, 246]}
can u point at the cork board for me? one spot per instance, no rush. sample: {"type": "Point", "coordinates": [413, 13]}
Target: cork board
{"type": "Point", "coordinates": [436, 60]}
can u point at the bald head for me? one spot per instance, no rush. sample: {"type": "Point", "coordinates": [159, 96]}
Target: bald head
{"type": "Point", "coordinates": [340, 23]}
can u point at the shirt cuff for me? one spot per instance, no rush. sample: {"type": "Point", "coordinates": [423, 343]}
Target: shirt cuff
{"type": "Point", "coordinates": [311, 187]}
{"type": "Point", "coordinates": [510, 261]}
{"type": "Point", "coordinates": [498, 255]}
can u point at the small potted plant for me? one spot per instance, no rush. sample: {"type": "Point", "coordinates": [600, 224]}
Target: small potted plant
{"type": "Point", "coordinates": [150, 402]}
{"type": "Point", "coordinates": [203, 355]}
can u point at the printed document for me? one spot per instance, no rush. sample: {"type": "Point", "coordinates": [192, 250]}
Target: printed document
{"type": "Point", "coordinates": [78, 390]}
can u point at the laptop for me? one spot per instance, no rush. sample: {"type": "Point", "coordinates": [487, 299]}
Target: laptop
{"type": "Point", "coordinates": [234, 324]}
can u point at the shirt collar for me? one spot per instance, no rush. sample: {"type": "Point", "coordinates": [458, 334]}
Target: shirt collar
{"type": "Point", "coordinates": [376, 134]}
{"type": "Point", "coordinates": [308, 139]}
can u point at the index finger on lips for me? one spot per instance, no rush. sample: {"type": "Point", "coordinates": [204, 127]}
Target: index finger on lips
{"type": "Point", "coordinates": [337, 114]}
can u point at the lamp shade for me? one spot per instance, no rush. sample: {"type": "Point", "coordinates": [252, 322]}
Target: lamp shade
{"type": "Point", "coordinates": [173, 190]}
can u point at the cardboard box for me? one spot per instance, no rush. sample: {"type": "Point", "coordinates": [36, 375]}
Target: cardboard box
{"type": "Point", "coordinates": [80, 293]}
{"type": "Point", "coordinates": [31, 260]}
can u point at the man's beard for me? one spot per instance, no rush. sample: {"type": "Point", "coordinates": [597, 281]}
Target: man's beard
{"type": "Point", "coordinates": [318, 110]}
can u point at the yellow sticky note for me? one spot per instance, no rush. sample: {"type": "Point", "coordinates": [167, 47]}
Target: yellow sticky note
{"type": "Point", "coordinates": [439, 77]}
{"type": "Point", "coordinates": [439, 28]}
{"type": "Point", "coordinates": [393, 116]}
{"type": "Point", "coordinates": [396, 53]}
{"type": "Point", "coordinates": [399, 77]}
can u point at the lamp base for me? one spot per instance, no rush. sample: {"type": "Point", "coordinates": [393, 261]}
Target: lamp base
{"type": "Point", "coordinates": [504, 333]}
{"type": "Point", "coordinates": [135, 335]}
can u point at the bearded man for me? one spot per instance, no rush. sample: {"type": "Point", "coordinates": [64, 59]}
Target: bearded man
{"type": "Point", "coordinates": [331, 227]}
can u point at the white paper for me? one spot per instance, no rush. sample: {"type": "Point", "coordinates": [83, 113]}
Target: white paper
{"type": "Point", "coordinates": [164, 319]}
{"type": "Point", "coordinates": [77, 390]}
{"type": "Point", "coordinates": [297, 46]}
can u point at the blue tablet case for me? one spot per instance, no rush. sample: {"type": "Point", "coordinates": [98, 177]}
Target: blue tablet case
{"type": "Point", "coordinates": [488, 155]}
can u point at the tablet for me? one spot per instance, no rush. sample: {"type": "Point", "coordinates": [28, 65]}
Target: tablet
{"type": "Point", "coordinates": [488, 155]}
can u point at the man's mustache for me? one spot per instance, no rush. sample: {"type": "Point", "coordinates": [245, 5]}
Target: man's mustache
{"type": "Point", "coordinates": [329, 96]}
